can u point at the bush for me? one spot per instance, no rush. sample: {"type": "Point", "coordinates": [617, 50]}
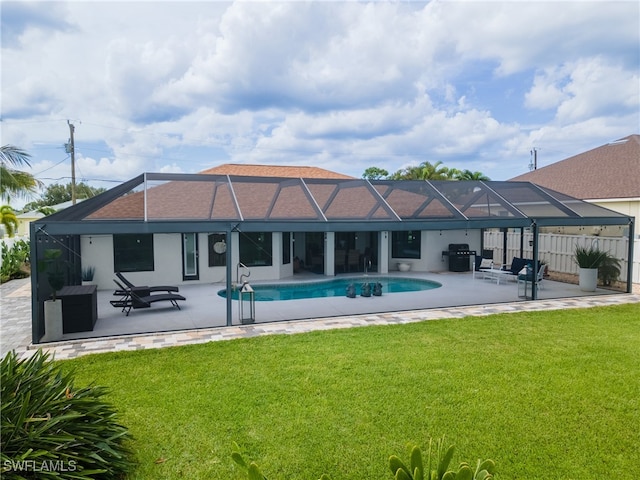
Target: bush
{"type": "Point", "coordinates": [15, 261]}
{"type": "Point", "coordinates": [51, 429]}
{"type": "Point", "coordinates": [435, 465]}
{"type": "Point", "coordinates": [591, 257]}
{"type": "Point", "coordinates": [609, 270]}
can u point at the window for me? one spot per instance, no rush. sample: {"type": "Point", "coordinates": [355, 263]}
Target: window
{"type": "Point", "coordinates": [255, 249]}
{"type": "Point", "coordinates": [405, 244]}
{"type": "Point", "coordinates": [286, 248]}
{"type": "Point", "coordinates": [217, 251]}
{"type": "Point", "coordinates": [133, 253]}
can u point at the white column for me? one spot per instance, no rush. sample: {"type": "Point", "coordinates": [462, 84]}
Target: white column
{"type": "Point", "coordinates": [383, 252]}
{"type": "Point", "coordinates": [329, 254]}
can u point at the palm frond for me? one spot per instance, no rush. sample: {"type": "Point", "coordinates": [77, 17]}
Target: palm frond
{"type": "Point", "coordinates": [14, 156]}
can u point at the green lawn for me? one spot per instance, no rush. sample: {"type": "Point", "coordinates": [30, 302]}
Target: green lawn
{"type": "Point", "coordinates": [547, 395]}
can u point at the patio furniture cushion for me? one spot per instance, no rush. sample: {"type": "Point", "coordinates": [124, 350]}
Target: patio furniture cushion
{"type": "Point", "coordinates": [518, 264]}
{"type": "Point", "coordinates": [485, 263]}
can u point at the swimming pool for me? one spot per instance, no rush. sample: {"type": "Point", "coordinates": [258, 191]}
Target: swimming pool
{"type": "Point", "coordinates": [333, 288]}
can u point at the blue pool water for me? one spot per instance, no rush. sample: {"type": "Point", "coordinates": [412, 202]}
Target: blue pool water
{"type": "Point", "coordinates": [333, 288]}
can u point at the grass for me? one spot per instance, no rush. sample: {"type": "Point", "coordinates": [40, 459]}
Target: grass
{"type": "Point", "coordinates": [547, 395]}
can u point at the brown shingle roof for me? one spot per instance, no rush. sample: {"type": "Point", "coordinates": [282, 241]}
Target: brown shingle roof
{"type": "Point", "coordinates": [222, 198]}
{"type": "Point", "coordinates": [249, 170]}
{"type": "Point", "coordinates": [609, 171]}
{"type": "Point", "coordinates": [194, 200]}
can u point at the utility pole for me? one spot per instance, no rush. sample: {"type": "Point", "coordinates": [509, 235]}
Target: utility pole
{"type": "Point", "coordinates": [533, 165]}
{"type": "Point", "coordinates": [72, 150]}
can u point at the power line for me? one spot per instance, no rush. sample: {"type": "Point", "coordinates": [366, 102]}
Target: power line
{"type": "Point", "coordinates": [52, 166]}
{"type": "Point", "coordinates": [83, 179]}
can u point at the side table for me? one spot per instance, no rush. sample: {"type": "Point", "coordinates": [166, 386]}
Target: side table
{"type": "Point", "coordinates": [79, 308]}
{"type": "Point", "coordinates": [525, 286]}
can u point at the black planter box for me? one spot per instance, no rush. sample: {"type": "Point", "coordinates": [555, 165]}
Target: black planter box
{"type": "Point", "coordinates": [79, 308]}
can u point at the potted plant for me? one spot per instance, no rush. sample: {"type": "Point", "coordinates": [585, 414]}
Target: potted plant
{"type": "Point", "coordinates": [51, 265]}
{"type": "Point", "coordinates": [588, 260]}
{"type": "Point", "coordinates": [87, 275]}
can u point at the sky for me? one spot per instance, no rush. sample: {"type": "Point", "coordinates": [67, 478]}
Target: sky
{"type": "Point", "coordinates": [162, 86]}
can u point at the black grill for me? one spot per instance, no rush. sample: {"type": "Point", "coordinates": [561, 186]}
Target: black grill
{"type": "Point", "coordinates": [459, 254]}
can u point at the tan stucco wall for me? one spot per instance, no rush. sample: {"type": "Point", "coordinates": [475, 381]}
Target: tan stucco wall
{"type": "Point", "coordinates": [629, 207]}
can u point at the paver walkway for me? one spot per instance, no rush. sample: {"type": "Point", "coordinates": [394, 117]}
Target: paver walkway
{"type": "Point", "coordinates": [16, 323]}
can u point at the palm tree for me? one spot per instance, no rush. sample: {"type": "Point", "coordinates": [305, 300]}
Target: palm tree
{"type": "Point", "coordinates": [434, 171]}
{"type": "Point", "coordinates": [424, 171]}
{"type": "Point", "coordinates": [15, 182]}
{"type": "Point", "coordinates": [469, 175]}
{"type": "Point", "coordinates": [409, 173]}
{"type": "Point", "coordinates": [453, 174]}
{"type": "Point", "coordinates": [8, 220]}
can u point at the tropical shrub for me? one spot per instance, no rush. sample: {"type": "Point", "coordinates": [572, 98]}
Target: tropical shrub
{"type": "Point", "coordinates": [52, 263]}
{"type": "Point", "coordinates": [251, 468]}
{"type": "Point", "coordinates": [435, 466]}
{"type": "Point", "coordinates": [609, 270]}
{"type": "Point", "coordinates": [591, 257]}
{"type": "Point", "coordinates": [88, 274]}
{"type": "Point", "coordinates": [15, 261]}
{"type": "Point", "coordinates": [53, 429]}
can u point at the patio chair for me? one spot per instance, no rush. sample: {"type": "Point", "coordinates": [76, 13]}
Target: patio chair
{"type": "Point", "coordinates": [156, 288]}
{"type": "Point", "coordinates": [540, 276]}
{"type": "Point", "coordinates": [139, 297]}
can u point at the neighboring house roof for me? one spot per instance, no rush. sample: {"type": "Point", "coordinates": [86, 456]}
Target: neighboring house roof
{"type": "Point", "coordinates": [282, 171]}
{"type": "Point", "coordinates": [609, 171]}
{"type": "Point", "coordinates": [35, 214]}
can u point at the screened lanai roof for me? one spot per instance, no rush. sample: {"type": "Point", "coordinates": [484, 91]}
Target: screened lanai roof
{"type": "Point", "coordinates": [400, 203]}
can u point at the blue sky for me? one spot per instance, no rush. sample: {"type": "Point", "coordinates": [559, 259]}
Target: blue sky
{"type": "Point", "coordinates": [183, 86]}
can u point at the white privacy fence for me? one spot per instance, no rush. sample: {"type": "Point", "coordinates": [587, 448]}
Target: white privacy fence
{"type": "Point", "coordinates": [556, 250]}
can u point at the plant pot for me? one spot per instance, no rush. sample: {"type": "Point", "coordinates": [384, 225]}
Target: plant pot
{"type": "Point", "coordinates": [588, 279]}
{"type": "Point", "coordinates": [404, 266]}
{"type": "Point", "coordinates": [52, 321]}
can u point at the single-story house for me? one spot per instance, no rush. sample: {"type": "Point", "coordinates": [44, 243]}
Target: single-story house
{"type": "Point", "coordinates": [607, 176]}
{"type": "Point", "coordinates": [200, 228]}
{"type": "Point", "coordinates": [25, 219]}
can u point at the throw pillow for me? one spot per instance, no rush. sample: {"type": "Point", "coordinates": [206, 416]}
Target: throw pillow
{"type": "Point", "coordinates": [486, 263]}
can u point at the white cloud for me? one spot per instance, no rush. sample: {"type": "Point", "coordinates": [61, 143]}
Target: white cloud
{"type": "Point", "coordinates": [584, 89]}
{"type": "Point", "coordinates": [547, 91]}
{"type": "Point", "coordinates": [596, 88]}
{"type": "Point", "coordinates": [344, 85]}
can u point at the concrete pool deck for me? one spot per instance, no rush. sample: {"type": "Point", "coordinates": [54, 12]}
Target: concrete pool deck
{"type": "Point", "coordinates": [202, 317]}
